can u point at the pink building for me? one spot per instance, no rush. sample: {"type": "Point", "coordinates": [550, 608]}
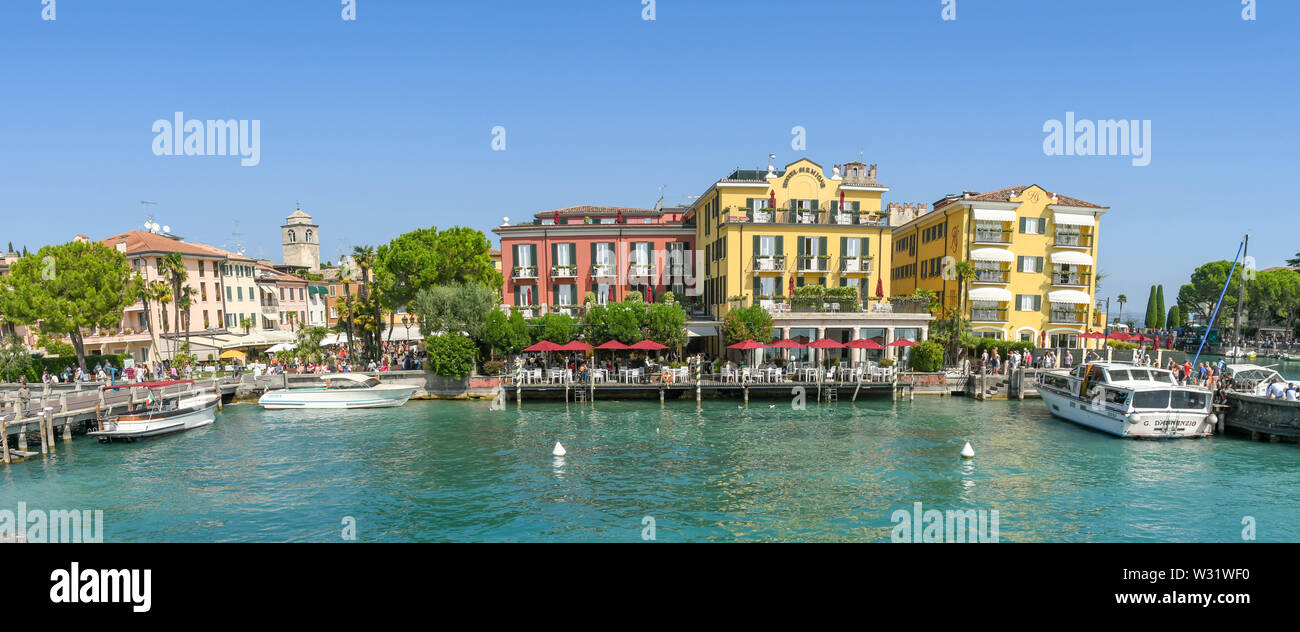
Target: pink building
{"type": "Point", "coordinates": [551, 262]}
{"type": "Point", "coordinates": [283, 298]}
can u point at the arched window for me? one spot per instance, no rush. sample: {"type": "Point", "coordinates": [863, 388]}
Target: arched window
{"type": "Point", "coordinates": [293, 237]}
{"type": "Point", "coordinates": [309, 236]}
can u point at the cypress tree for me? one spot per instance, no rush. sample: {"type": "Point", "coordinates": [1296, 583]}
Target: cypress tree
{"type": "Point", "coordinates": [1150, 320]}
{"type": "Point", "coordinates": [1175, 320]}
{"type": "Point", "coordinates": [1160, 307]}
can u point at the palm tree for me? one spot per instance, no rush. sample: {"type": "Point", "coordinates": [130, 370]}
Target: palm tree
{"type": "Point", "coordinates": [247, 323]}
{"type": "Point", "coordinates": [173, 269]}
{"type": "Point", "coordinates": [149, 292]}
{"type": "Point", "coordinates": [365, 258]}
{"type": "Point", "coordinates": [965, 271]}
{"type": "Point", "coordinates": [1121, 300]}
{"type": "Point", "coordinates": [186, 302]}
{"type": "Point", "coordinates": [346, 275]}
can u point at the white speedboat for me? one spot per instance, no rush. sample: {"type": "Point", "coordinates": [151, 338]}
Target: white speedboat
{"type": "Point", "coordinates": [341, 390]}
{"type": "Point", "coordinates": [1253, 379]}
{"type": "Point", "coordinates": [1128, 401]}
{"type": "Point", "coordinates": [159, 414]}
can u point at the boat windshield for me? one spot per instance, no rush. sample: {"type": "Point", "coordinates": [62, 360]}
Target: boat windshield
{"type": "Point", "coordinates": [346, 384]}
{"type": "Point", "coordinates": [1190, 400]}
{"type": "Point", "coordinates": [1151, 399]}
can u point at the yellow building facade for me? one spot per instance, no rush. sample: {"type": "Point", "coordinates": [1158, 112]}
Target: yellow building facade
{"type": "Point", "coordinates": [1034, 255]}
{"type": "Point", "coordinates": [766, 234]}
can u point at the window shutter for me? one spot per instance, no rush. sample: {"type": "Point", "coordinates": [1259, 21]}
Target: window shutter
{"type": "Point", "coordinates": [821, 245]}
{"type": "Point", "coordinates": [755, 253]}
{"type": "Point", "coordinates": [866, 247]}
{"type": "Point", "coordinates": [514, 253]}
{"type": "Point", "coordinates": [1039, 262]}
{"type": "Point", "coordinates": [780, 245]}
{"type": "Point", "coordinates": [835, 206]}
{"type": "Point", "coordinates": [844, 246]}
{"type": "Point", "coordinates": [801, 243]}
{"type": "Point", "coordinates": [1038, 303]}
{"type": "Point", "coordinates": [517, 296]}
{"type": "Point", "coordinates": [814, 205]}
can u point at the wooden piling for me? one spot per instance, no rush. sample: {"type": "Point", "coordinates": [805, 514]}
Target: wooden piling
{"type": "Point", "coordinates": [44, 447]}
{"type": "Point", "coordinates": [661, 397]}
{"type": "Point", "coordinates": [67, 428]}
{"type": "Point", "coordinates": [22, 438]}
{"type": "Point", "coordinates": [4, 436]}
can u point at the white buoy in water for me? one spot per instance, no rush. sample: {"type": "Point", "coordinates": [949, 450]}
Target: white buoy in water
{"type": "Point", "coordinates": [559, 450]}
{"type": "Point", "coordinates": [967, 452]}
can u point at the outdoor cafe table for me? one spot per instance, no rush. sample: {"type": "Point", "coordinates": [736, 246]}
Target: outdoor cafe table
{"type": "Point", "coordinates": [558, 375]}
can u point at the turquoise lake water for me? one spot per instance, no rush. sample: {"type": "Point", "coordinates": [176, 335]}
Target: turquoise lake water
{"type": "Point", "coordinates": [457, 471]}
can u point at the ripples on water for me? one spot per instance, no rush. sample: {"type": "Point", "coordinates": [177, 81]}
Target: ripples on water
{"type": "Point", "coordinates": [435, 471]}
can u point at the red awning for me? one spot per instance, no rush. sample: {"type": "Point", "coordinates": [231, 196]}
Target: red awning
{"type": "Point", "coordinates": [864, 343]}
{"type": "Point", "coordinates": [902, 342]}
{"type": "Point", "coordinates": [825, 343]}
{"type": "Point", "coordinates": [787, 344]}
{"type": "Point", "coordinates": [746, 345]}
{"type": "Point", "coordinates": [614, 345]}
{"type": "Point", "coordinates": [576, 345]}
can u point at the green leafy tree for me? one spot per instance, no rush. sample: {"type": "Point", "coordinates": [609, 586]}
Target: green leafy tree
{"type": "Point", "coordinates": [1121, 300]}
{"type": "Point", "coordinates": [620, 321]}
{"type": "Point", "coordinates": [665, 323]}
{"type": "Point", "coordinates": [747, 323]}
{"type": "Point", "coordinates": [451, 355]}
{"type": "Point", "coordinates": [308, 348]}
{"type": "Point", "coordinates": [506, 335]}
{"type": "Point", "coordinates": [455, 308]}
{"type": "Point", "coordinates": [15, 358]}
{"type": "Point", "coordinates": [927, 357]}
{"type": "Point", "coordinates": [69, 288]}
{"type": "Point", "coordinates": [1200, 295]}
{"type": "Point", "coordinates": [555, 327]}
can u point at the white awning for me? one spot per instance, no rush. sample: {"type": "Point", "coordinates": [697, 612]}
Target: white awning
{"type": "Point", "coordinates": [993, 254]}
{"type": "Point", "coordinates": [267, 290]}
{"type": "Point", "coordinates": [282, 347]}
{"type": "Point", "coordinates": [1071, 219]}
{"type": "Point", "coordinates": [995, 215]}
{"type": "Point", "coordinates": [1072, 257]}
{"type": "Point", "coordinates": [1072, 297]}
{"type": "Point", "coordinates": [701, 332]}
{"type": "Point", "coordinates": [999, 294]}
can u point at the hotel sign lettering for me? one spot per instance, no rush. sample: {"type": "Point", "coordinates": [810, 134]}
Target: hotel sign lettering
{"type": "Point", "coordinates": [816, 173]}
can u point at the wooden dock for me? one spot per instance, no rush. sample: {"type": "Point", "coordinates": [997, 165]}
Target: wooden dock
{"type": "Point", "coordinates": [1263, 419]}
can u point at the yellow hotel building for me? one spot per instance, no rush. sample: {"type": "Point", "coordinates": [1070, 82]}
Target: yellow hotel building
{"type": "Point", "coordinates": [1034, 254]}
{"type": "Point", "coordinates": [766, 234]}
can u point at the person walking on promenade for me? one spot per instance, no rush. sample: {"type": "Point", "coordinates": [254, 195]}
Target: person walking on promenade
{"type": "Point", "coordinates": [24, 398]}
{"type": "Point", "coordinates": [1069, 359]}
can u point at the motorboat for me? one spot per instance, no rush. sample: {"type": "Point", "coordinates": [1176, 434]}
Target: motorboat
{"type": "Point", "coordinates": [1127, 400]}
{"type": "Point", "coordinates": [160, 413]}
{"type": "Point", "coordinates": [1253, 379]}
{"type": "Point", "coordinates": [340, 390]}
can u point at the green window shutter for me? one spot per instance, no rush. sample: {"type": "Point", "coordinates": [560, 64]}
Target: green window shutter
{"type": "Point", "coordinates": [844, 246]}
{"type": "Point", "coordinates": [814, 205]}
{"type": "Point", "coordinates": [554, 249]}
{"type": "Point", "coordinates": [835, 206]}
{"type": "Point", "coordinates": [821, 244]}
{"type": "Point", "coordinates": [1040, 263]}
{"type": "Point", "coordinates": [800, 242]}
{"type": "Point", "coordinates": [516, 295]}
{"type": "Point", "coordinates": [532, 253]}
{"type": "Point", "coordinates": [780, 245]}
{"type": "Point", "coordinates": [514, 253]}
{"type": "Point", "coordinates": [866, 246]}
{"type": "Point", "coordinates": [755, 252]}
{"type": "Point", "coordinates": [780, 286]}
{"type": "Point", "coordinates": [798, 282]}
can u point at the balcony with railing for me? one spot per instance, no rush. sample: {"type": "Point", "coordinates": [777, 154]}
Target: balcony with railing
{"type": "Point", "coordinates": [524, 272]}
{"type": "Point", "coordinates": [564, 271]}
{"type": "Point", "coordinates": [604, 270]}
{"type": "Point", "coordinates": [1072, 239]}
{"type": "Point", "coordinates": [992, 275]}
{"type": "Point", "coordinates": [1068, 315]}
{"type": "Point", "coordinates": [814, 263]}
{"type": "Point", "coordinates": [988, 235]}
{"type": "Point", "coordinates": [988, 312]}
{"type": "Point", "coordinates": [769, 263]}
{"type": "Point", "coordinates": [808, 216]}
{"type": "Point", "coordinates": [855, 265]}
{"type": "Point", "coordinates": [641, 270]}
{"type": "Point", "coordinates": [1063, 278]}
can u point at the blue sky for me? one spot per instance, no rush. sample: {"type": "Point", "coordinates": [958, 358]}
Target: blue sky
{"type": "Point", "coordinates": [383, 124]}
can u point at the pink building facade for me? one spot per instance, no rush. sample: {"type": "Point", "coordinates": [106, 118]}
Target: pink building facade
{"type": "Point", "coordinates": [551, 263]}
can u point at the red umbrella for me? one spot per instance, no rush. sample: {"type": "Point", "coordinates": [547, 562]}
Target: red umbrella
{"type": "Point", "coordinates": [747, 345]}
{"type": "Point", "coordinates": [902, 342]}
{"type": "Point", "coordinates": [650, 294]}
{"type": "Point", "coordinates": [557, 216]}
{"type": "Point", "coordinates": [826, 343]}
{"type": "Point", "coordinates": [576, 345]}
{"type": "Point", "coordinates": [880, 287]}
{"type": "Point", "coordinates": [545, 345]}
{"type": "Point", "coordinates": [787, 344]}
{"type": "Point", "coordinates": [614, 345]}
{"type": "Point", "coordinates": [619, 219]}
{"type": "Point", "coordinates": [772, 199]}
{"type": "Point", "coordinates": [842, 200]}
{"type": "Point", "coordinates": [1120, 336]}
{"type": "Point", "coordinates": [865, 343]}
{"type": "Point", "coordinates": [648, 345]}
{"type": "Point", "coordinates": [611, 293]}
{"type": "Point", "coordinates": [791, 286]}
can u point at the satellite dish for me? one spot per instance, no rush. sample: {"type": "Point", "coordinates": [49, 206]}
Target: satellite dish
{"type": "Point", "coordinates": [505, 221]}
{"type": "Point", "coordinates": [167, 229]}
